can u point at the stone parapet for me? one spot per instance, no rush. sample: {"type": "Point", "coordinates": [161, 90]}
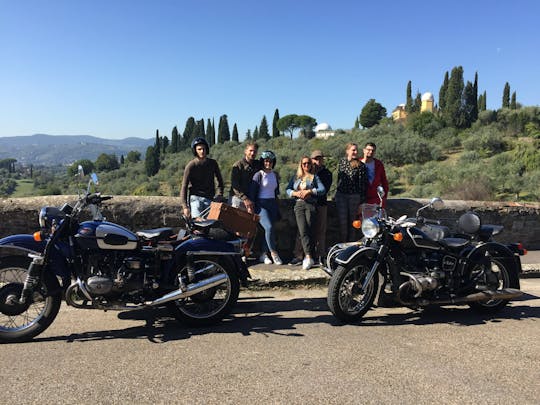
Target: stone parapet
{"type": "Point", "coordinates": [521, 222]}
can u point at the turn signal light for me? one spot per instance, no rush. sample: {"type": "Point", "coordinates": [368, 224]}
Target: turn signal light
{"type": "Point", "coordinates": [398, 237]}
{"type": "Point", "coordinates": [357, 224]}
{"type": "Point", "coordinates": [37, 236]}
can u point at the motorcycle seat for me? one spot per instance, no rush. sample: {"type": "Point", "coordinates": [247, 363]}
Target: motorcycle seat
{"type": "Point", "coordinates": [454, 243]}
{"type": "Point", "coordinates": [490, 230]}
{"type": "Point", "coordinates": [156, 234]}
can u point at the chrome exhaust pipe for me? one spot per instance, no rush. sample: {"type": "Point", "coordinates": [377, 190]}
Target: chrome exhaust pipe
{"type": "Point", "coordinates": [191, 289]}
{"type": "Point", "coordinates": [504, 294]}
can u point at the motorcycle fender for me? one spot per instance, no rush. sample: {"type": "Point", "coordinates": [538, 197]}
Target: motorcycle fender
{"type": "Point", "coordinates": [498, 250]}
{"type": "Point", "coordinates": [23, 245]}
{"type": "Point", "coordinates": [20, 245]}
{"type": "Point", "coordinates": [350, 253]}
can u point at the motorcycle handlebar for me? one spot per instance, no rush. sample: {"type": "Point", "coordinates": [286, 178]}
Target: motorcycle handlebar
{"type": "Point", "coordinates": [422, 220]}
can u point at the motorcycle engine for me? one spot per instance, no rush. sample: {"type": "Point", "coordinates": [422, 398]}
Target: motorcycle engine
{"type": "Point", "coordinates": [112, 274]}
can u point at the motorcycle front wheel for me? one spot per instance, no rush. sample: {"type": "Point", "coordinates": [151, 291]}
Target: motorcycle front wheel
{"type": "Point", "coordinates": [346, 298]}
{"type": "Point", "coordinates": [22, 322]}
{"type": "Point", "coordinates": [213, 304]}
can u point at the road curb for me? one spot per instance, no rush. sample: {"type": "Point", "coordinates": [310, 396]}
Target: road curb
{"type": "Point", "coordinates": [267, 277]}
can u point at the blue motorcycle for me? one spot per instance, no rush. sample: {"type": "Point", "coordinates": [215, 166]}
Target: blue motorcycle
{"type": "Point", "coordinates": [96, 264]}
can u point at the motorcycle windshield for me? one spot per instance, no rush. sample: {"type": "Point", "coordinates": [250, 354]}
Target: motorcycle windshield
{"type": "Point", "coordinates": [372, 210]}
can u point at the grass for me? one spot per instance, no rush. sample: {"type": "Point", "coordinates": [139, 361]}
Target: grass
{"type": "Point", "coordinates": [25, 188]}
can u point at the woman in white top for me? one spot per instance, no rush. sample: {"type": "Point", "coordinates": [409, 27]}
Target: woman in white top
{"type": "Point", "coordinates": [264, 191]}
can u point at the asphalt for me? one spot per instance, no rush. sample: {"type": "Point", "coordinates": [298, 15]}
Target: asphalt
{"type": "Point", "coordinates": [286, 276]}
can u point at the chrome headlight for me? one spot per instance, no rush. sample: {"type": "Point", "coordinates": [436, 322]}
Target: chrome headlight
{"type": "Point", "coordinates": [370, 227]}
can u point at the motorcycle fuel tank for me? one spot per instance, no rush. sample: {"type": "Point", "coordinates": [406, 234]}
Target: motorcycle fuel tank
{"type": "Point", "coordinates": [105, 235]}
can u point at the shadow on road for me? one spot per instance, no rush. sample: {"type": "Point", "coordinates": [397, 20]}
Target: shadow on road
{"type": "Point", "coordinates": [265, 316]}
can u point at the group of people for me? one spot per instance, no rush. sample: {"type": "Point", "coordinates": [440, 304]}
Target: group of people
{"type": "Point", "coordinates": [255, 189]}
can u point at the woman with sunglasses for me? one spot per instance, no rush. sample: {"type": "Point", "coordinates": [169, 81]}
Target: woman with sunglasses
{"type": "Point", "coordinates": [264, 191]}
{"type": "Point", "coordinates": [305, 187]}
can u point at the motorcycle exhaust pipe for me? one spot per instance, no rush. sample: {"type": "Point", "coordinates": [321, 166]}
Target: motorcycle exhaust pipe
{"type": "Point", "coordinates": [504, 294]}
{"type": "Point", "coordinates": [192, 289]}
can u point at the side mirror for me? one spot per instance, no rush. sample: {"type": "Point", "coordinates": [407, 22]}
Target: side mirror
{"type": "Point", "coordinates": [94, 178]}
{"type": "Point", "coordinates": [437, 203]}
{"type": "Point", "coordinates": [380, 192]}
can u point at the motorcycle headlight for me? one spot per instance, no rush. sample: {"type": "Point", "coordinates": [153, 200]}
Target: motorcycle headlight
{"type": "Point", "coordinates": [370, 227]}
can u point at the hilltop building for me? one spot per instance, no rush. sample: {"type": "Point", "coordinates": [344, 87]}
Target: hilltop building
{"type": "Point", "coordinates": [427, 102]}
{"type": "Point", "coordinates": [324, 131]}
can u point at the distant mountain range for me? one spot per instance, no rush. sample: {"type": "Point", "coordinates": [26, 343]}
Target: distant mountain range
{"type": "Point", "coordinates": [49, 150]}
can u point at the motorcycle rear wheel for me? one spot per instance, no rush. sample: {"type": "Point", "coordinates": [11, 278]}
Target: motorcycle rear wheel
{"type": "Point", "coordinates": [20, 323]}
{"type": "Point", "coordinates": [507, 278]}
{"type": "Point", "coordinates": [346, 300]}
{"type": "Point", "coordinates": [209, 306]}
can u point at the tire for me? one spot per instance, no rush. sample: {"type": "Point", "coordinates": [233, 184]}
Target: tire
{"type": "Point", "coordinates": [345, 299]}
{"type": "Point", "coordinates": [20, 323]}
{"type": "Point", "coordinates": [507, 278]}
{"type": "Point", "coordinates": [209, 306]}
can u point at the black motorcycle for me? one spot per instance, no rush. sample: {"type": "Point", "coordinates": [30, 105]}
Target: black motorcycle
{"type": "Point", "coordinates": [417, 262]}
{"type": "Point", "coordinates": [95, 264]}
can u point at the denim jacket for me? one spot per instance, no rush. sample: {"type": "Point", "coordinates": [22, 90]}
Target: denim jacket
{"type": "Point", "coordinates": [316, 186]}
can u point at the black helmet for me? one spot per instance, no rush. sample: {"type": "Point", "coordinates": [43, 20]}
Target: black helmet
{"type": "Point", "coordinates": [199, 141]}
{"type": "Point", "coordinates": [268, 154]}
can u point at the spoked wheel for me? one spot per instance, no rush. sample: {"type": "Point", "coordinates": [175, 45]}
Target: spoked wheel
{"type": "Point", "coordinates": [502, 277]}
{"type": "Point", "coordinates": [22, 322]}
{"type": "Point", "coordinates": [346, 298]}
{"type": "Point", "coordinates": [211, 305]}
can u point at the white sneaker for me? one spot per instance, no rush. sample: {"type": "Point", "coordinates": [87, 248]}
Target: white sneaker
{"type": "Point", "coordinates": [265, 259]}
{"type": "Point", "coordinates": [307, 263]}
{"type": "Point", "coordinates": [277, 260]}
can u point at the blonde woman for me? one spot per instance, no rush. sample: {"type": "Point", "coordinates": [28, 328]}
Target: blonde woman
{"type": "Point", "coordinates": [304, 187]}
{"type": "Point", "coordinates": [351, 190]}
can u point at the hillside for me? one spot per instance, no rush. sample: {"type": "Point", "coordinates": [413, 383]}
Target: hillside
{"type": "Point", "coordinates": [49, 150]}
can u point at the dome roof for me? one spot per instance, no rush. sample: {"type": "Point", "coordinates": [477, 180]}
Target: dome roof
{"type": "Point", "coordinates": [427, 96]}
{"type": "Point", "coordinates": [323, 126]}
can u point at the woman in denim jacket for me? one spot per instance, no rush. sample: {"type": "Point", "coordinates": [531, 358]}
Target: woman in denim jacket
{"type": "Point", "coordinates": [304, 187]}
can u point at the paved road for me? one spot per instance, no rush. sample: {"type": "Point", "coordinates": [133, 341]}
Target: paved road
{"type": "Point", "coordinates": [282, 346]}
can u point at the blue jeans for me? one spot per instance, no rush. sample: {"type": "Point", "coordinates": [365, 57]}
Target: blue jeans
{"type": "Point", "coordinates": [268, 211]}
{"type": "Point", "coordinates": [198, 204]}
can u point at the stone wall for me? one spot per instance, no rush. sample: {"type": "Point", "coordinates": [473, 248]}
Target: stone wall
{"type": "Point", "coordinates": [521, 222]}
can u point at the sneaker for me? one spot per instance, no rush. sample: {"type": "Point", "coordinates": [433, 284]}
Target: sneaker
{"type": "Point", "coordinates": [265, 259]}
{"type": "Point", "coordinates": [277, 260]}
{"type": "Point", "coordinates": [307, 263]}
{"type": "Point", "coordinates": [295, 262]}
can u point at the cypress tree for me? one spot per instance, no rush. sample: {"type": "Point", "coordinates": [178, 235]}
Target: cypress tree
{"type": "Point", "coordinates": [474, 97]}
{"type": "Point", "coordinates": [513, 102]}
{"type": "Point", "coordinates": [248, 135]}
{"type": "Point", "coordinates": [224, 133]}
{"type": "Point", "coordinates": [357, 123]}
{"type": "Point", "coordinates": [275, 130]}
{"type": "Point", "coordinates": [506, 96]}
{"type": "Point", "coordinates": [468, 108]}
{"type": "Point", "coordinates": [187, 136]}
{"type": "Point", "coordinates": [209, 132]}
{"type": "Point", "coordinates": [164, 144]}
{"type": "Point", "coordinates": [484, 101]}
{"type": "Point", "coordinates": [122, 159]}
{"type": "Point", "coordinates": [263, 129]}
{"type": "Point", "coordinates": [409, 107]}
{"type": "Point", "coordinates": [256, 133]}
{"type": "Point", "coordinates": [454, 92]}
{"type": "Point", "coordinates": [157, 144]}
{"type": "Point", "coordinates": [213, 133]}
{"type": "Point", "coordinates": [417, 103]}
{"type": "Point", "coordinates": [174, 140]}
{"type": "Point", "coordinates": [442, 93]}
{"type": "Point", "coordinates": [235, 133]}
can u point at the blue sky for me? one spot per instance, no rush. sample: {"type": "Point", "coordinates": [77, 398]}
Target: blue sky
{"type": "Point", "coordinates": [119, 68]}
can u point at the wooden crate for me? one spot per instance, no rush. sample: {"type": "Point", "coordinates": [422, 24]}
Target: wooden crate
{"type": "Point", "coordinates": [235, 220]}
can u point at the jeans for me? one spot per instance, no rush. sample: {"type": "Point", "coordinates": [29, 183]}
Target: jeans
{"type": "Point", "coordinates": [305, 217]}
{"type": "Point", "coordinates": [319, 231]}
{"type": "Point", "coordinates": [198, 204]}
{"type": "Point", "coordinates": [347, 206]}
{"type": "Point", "coordinates": [267, 210]}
